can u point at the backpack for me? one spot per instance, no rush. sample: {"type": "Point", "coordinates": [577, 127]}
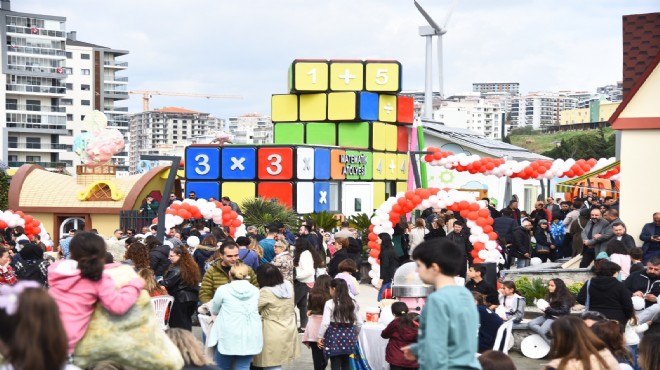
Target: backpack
{"type": "Point", "coordinates": [31, 270]}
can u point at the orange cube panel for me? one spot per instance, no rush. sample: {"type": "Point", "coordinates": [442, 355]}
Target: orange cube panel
{"type": "Point", "coordinates": [336, 165]}
{"type": "Point", "coordinates": [402, 140]}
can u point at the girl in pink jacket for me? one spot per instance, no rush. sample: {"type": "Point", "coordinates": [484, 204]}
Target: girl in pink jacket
{"type": "Point", "coordinates": [77, 284]}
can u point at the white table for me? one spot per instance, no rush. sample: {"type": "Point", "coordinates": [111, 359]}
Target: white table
{"type": "Point", "coordinates": [373, 346]}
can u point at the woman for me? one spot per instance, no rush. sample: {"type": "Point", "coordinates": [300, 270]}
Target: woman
{"type": "Point", "coordinates": [204, 251]}
{"type": "Point", "coordinates": [545, 243]}
{"type": "Point", "coordinates": [610, 333]}
{"type": "Point", "coordinates": [341, 253]}
{"type": "Point", "coordinates": [236, 334]}
{"type": "Point", "coordinates": [305, 262]}
{"type": "Point", "coordinates": [137, 255]}
{"type": "Point", "coordinates": [150, 284]}
{"type": "Point", "coordinates": [281, 344]}
{"type": "Point", "coordinates": [158, 255]}
{"type": "Point", "coordinates": [31, 265]}
{"type": "Point", "coordinates": [191, 350]}
{"type": "Point", "coordinates": [7, 275]}
{"type": "Point", "coordinates": [560, 300]}
{"type": "Point", "coordinates": [417, 234]}
{"type": "Point", "coordinates": [607, 295]}
{"type": "Point", "coordinates": [254, 246]}
{"type": "Point", "coordinates": [283, 260]}
{"type": "Point", "coordinates": [182, 282]}
{"type": "Point", "coordinates": [388, 263]}
{"type": "Point", "coordinates": [576, 347]}
{"type": "Point", "coordinates": [619, 254]}
{"type": "Point", "coordinates": [649, 356]}
{"type": "Point", "coordinates": [437, 229]}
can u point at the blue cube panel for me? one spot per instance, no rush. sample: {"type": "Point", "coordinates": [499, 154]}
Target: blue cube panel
{"type": "Point", "coordinates": [322, 164]}
{"type": "Point", "coordinates": [239, 163]}
{"type": "Point", "coordinates": [321, 196]}
{"type": "Point", "coordinates": [204, 189]}
{"type": "Point", "coordinates": [202, 163]}
{"type": "Point", "coordinates": [368, 110]}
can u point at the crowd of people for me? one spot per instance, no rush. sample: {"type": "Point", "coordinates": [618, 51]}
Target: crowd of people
{"type": "Point", "coordinates": [266, 293]}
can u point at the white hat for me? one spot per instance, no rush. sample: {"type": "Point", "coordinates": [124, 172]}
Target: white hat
{"type": "Point", "coordinates": [638, 303]}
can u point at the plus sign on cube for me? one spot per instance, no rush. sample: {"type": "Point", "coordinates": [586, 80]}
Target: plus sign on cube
{"type": "Point", "coordinates": [387, 108]}
{"type": "Point", "coordinates": [239, 163]}
{"type": "Point", "coordinates": [382, 76]}
{"type": "Point", "coordinates": [308, 75]}
{"type": "Point", "coordinates": [346, 75]}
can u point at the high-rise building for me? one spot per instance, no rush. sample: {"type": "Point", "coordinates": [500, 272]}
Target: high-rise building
{"type": "Point", "coordinates": [95, 82]}
{"type": "Point", "coordinates": [166, 130]}
{"type": "Point", "coordinates": [614, 93]}
{"type": "Point", "coordinates": [250, 128]}
{"type": "Point", "coordinates": [472, 112]}
{"type": "Point", "coordinates": [33, 71]}
{"type": "Point", "coordinates": [512, 88]}
{"type": "Point", "coordinates": [540, 109]}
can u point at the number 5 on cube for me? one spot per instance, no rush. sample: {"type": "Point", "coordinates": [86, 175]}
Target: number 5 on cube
{"type": "Point", "coordinates": [383, 76]}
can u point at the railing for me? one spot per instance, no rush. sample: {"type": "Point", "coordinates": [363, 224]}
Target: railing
{"type": "Point", "coordinates": [35, 50]}
{"type": "Point", "coordinates": [115, 64]}
{"type": "Point", "coordinates": [36, 126]}
{"type": "Point", "coordinates": [37, 89]}
{"type": "Point", "coordinates": [42, 164]}
{"type": "Point", "coordinates": [116, 109]}
{"type": "Point", "coordinates": [115, 92]}
{"type": "Point", "coordinates": [50, 146]}
{"type": "Point", "coordinates": [110, 79]}
{"type": "Point", "coordinates": [35, 108]}
{"type": "Point", "coordinates": [42, 69]}
{"type": "Point", "coordinates": [36, 31]}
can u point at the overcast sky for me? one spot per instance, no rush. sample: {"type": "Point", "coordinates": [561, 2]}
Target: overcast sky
{"type": "Point", "coordinates": [245, 47]}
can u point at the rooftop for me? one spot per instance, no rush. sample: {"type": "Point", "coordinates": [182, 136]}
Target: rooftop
{"type": "Point", "coordinates": [176, 110]}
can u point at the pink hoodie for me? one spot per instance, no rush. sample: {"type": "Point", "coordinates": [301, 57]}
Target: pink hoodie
{"type": "Point", "coordinates": [76, 297]}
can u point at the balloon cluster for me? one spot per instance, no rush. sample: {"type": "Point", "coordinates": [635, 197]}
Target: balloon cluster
{"type": "Point", "coordinates": [477, 217]}
{"type": "Point", "coordinates": [30, 225]}
{"type": "Point", "coordinates": [99, 144]}
{"type": "Point", "coordinates": [539, 169]}
{"type": "Point", "coordinates": [179, 211]}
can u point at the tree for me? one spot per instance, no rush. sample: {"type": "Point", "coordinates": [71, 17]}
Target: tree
{"type": "Point", "coordinates": [4, 190]}
{"type": "Point", "coordinates": [584, 146]}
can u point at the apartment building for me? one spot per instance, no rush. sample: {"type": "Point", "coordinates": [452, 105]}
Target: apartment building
{"type": "Point", "coordinates": [472, 112]}
{"type": "Point", "coordinates": [540, 109]}
{"type": "Point", "coordinates": [512, 88]}
{"type": "Point", "coordinates": [250, 128]}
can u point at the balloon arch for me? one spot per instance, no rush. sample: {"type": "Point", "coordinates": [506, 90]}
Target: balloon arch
{"type": "Point", "coordinates": [30, 225]}
{"type": "Point", "coordinates": [477, 217]}
{"type": "Point", "coordinates": [179, 211]}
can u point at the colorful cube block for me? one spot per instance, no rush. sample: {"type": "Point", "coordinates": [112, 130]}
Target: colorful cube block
{"type": "Point", "coordinates": [378, 135]}
{"type": "Point", "coordinates": [402, 166]}
{"type": "Point", "coordinates": [202, 163]}
{"type": "Point", "coordinates": [401, 186]}
{"type": "Point", "coordinates": [282, 192]}
{"type": "Point", "coordinates": [382, 76]}
{"type": "Point", "coordinates": [356, 164]}
{"type": "Point", "coordinates": [391, 138]}
{"type": "Point", "coordinates": [204, 189]}
{"type": "Point", "coordinates": [336, 164]}
{"type": "Point", "coordinates": [321, 196]}
{"type": "Point", "coordinates": [275, 163]}
{"type": "Point", "coordinates": [317, 133]}
{"type": "Point", "coordinates": [354, 134]}
{"type": "Point", "coordinates": [305, 197]}
{"type": "Point", "coordinates": [239, 191]}
{"type": "Point", "coordinates": [379, 168]}
{"type": "Point", "coordinates": [308, 75]}
{"type": "Point", "coordinates": [321, 164]}
{"type": "Point", "coordinates": [239, 163]}
{"type": "Point", "coordinates": [387, 108]}
{"type": "Point", "coordinates": [405, 110]}
{"type": "Point", "coordinates": [403, 138]}
{"type": "Point", "coordinates": [342, 106]}
{"type": "Point", "coordinates": [313, 107]}
{"type": "Point", "coordinates": [391, 163]}
{"type": "Point", "coordinates": [378, 193]}
{"type": "Point", "coordinates": [368, 106]}
{"type": "Point", "coordinates": [284, 108]}
{"type": "Point", "coordinates": [289, 133]}
{"type": "Point", "coordinates": [305, 163]}
{"type": "Point", "coordinates": [346, 75]}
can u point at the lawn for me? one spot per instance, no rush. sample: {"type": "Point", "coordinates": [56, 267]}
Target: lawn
{"type": "Point", "coordinates": [539, 143]}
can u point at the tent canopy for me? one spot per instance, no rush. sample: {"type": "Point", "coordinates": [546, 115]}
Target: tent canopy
{"type": "Point", "coordinates": [568, 185]}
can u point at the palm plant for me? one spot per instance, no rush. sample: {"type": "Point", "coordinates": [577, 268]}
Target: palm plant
{"type": "Point", "coordinates": [261, 212]}
{"type": "Point", "coordinates": [323, 220]}
{"type": "Point", "coordinates": [531, 290]}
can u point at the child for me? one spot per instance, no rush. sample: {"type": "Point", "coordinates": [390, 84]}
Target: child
{"type": "Point", "coordinates": [489, 323]}
{"type": "Point", "coordinates": [150, 284]}
{"type": "Point", "coordinates": [346, 270]}
{"type": "Point", "coordinates": [401, 332]}
{"type": "Point", "coordinates": [340, 326]}
{"type": "Point", "coordinates": [632, 333]}
{"type": "Point", "coordinates": [318, 295]}
{"type": "Point", "coordinates": [512, 306]}
{"type": "Point", "coordinates": [450, 322]}
{"type": "Point", "coordinates": [77, 284]}
{"type": "Point", "coordinates": [636, 255]}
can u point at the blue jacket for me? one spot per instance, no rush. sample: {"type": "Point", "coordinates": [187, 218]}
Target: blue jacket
{"type": "Point", "coordinates": [237, 329]}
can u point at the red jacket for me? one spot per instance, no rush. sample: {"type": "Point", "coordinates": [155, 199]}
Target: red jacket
{"type": "Point", "coordinates": [399, 337]}
{"type": "Point", "coordinates": [8, 277]}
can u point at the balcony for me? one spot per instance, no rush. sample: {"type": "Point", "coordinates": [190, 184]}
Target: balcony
{"type": "Point", "coordinates": [115, 109]}
{"type": "Point", "coordinates": [59, 71]}
{"type": "Point", "coordinates": [114, 64]}
{"type": "Point", "coordinates": [36, 89]}
{"type": "Point", "coordinates": [55, 128]}
{"type": "Point", "coordinates": [39, 146]}
{"type": "Point", "coordinates": [35, 31]}
{"type": "Point", "coordinates": [42, 164]}
{"type": "Point", "coordinates": [113, 80]}
{"type": "Point", "coordinates": [35, 50]}
{"type": "Point", "coordinates": [35, 108]}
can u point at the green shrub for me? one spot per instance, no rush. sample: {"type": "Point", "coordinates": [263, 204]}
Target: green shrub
{"type": "Point", "coordinates": [260, 213]}
{"type": "Point", "coordinates": [531, 290]}
{"type": "Point", "coordinates": [323, 220]}
{"type": "Point", "coordinates": [575, 288]}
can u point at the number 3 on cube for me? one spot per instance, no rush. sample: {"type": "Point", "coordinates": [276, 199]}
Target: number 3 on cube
{"type": "Point", "coordinates": [202, 163]}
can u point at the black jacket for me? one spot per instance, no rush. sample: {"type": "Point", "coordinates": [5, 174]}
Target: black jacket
{"type": "Point", "coordinates": [463, 242]}
{"type": "Point", "coordinates": [435, 233]}
{"type": "Point", "coordinates": [486, 289]}
{"type": "Point", "coordinates": [608, 296]}
{"type": "Point", "coordinates": [333, 265]}
{"type": "Point", "coordinates": [521, 243]}
{"type": "Point", "coordinates": [558, 308]}
{"type": "Point", "coordinates": [640, 282]}
{"type": "Point", "coordinates": [177, 288]}
{"type": "Point", "coordinates": [543, 239]}
{"type": "Point", "coordinates": [388, 264]}
{"type": "Point", "coordinates": [489, 322]}
{"type": "Point", "coordinates": [159, 259]}
{"type": "Point", "coordinates": [504, 227]}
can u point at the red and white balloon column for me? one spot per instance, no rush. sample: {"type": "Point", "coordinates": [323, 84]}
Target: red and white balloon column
{"type": "Point", "coordinates": [30, 225]}
{"type": "Point", "coordinates": [540, 169]}
{"type": "Point", "coordinates": [477, 217]}
{"type": "Point", "coordinates": [179, 211]}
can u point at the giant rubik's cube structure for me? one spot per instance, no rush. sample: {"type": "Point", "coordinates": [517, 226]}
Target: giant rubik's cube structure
{"type": "Point", "coordinates": [342, 120]}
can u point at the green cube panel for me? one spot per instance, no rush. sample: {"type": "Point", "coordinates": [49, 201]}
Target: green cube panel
{"type": "Point", "coordinates": [368, 167]}
{"type": "Point", "coordinates": [321, 133]}
{"type": "Point", "coordinates": [360, 166]}
{"type": "Point", "coordinates": [289, 133]}
{"type": "Point", "coordinates": [354, 134]}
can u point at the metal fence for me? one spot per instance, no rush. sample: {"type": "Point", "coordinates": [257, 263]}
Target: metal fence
{"type": "Point", "coordinates": [133, 220]}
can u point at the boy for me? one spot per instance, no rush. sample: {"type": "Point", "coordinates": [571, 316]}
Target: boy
{"type": "Point", "coordinates": [478, 284]}
{"type": "Point", "coordinates": [449, 325]}
{"type": "Point", "coordinates": [636, 255]}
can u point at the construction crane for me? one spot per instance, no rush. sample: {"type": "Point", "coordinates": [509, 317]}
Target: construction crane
{"type": "Point", "coordinates": [147, 94]}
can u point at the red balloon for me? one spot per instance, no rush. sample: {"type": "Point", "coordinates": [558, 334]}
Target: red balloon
{"type": "Point", "coordinates": [374, 253]}
{"type": "Point", "coordinates": [464, 204]}
{"type": "Point", "coordinates": [487, 228]}
{"type": "Point", "coordinates": [396, 208]}
{"type": "Point", "coordinates": [477, 261]}
{"type": "Point", "coordinates": [395, 215]}
{"type": "Point", "coordinates": [37, 230]}
{"type": "Point", "coordinates": [232, 231]}
{"type": "Point", "coordinates": [175, 206]}
{"type": "Point", "coordinates": [489, 221]}
{"type": "Point", "coordinates": [233, 214]}
{"type": "Point", "coordinates": [481, 221]}
{"type": "Point", "coordinates": [492, 235]}
{"type": "Point", "coordinates": [373, 237]}
{"type": "Point", "coordinates": [225, 217]}
{"type": "Point", "coordinates": [20, 213]}
{"type": "Point", "coordinates": [409, 195]}
{"type": "Point", "coordinates": [465, 213]}
{"type": "Point", "coordinates": [401, 201]}
{"type": "Point", "coordinates": [475, 253]}
{"type": "Point", "coordinates": [472, 216]}
{"type": "Point", "coordinates": [185, 206]}
{"type": "Point", "coordinates": [416, 199]}
{"type": "Point", "coordinates": [28, 219]}
{"type": "Point", "coordinates": [410, 205]}
{"type": "Point", "coordinates": [170, 211]}
{"type": "Point", "coordinates": [474, 207]}
{"type": "Point", "coordinates": [434, 191]}
{"type": "Point", "coordinates": [182, 213]}
{"type": "Point", "coordinates": [236, 223]}
{"type": "Point", "coordinates": [425, 193]}
{"type": "Point", "coordinates": [479, 246]}
{"type": "Point", "coordinates": [484, 213]}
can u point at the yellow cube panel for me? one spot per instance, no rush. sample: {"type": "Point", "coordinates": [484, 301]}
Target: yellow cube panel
{"type": "Point", "coordinates": [310, 76]}
{"type": "Point", "coordinates": [401, 187]}
{"type": "Point", "coordinates": [378, 135]}
{"type": "Point", "coordinates": [387, 108]}
{"type": "Point", "coordinates": [380, 166]}
{"type": "Point", "coordinates": [390, 160]}
{"type": "Point", "coordinates": [379, 193]}
{"type": "Point", "coordinates": [346, 76]}
{"type": "Point", "coordinates": [313, 107]}
{"type": "Point", "coordinates": [382, 77]}
{"type": "Point", "coordinates": [284, 108]}
{"type": "Point", "coordinates": [402, 166]}
{"type": "Point", "coordinates": [239, 191]}
{"type": "Point", "coordinates": [391, 138]}
{"type": "Point", "coordinates": [342, 106]}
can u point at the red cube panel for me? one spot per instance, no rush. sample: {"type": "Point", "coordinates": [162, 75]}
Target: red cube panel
{"type": "Point", "coordinates": [282, 191]}
{"type": "Point", "coordinates": [403, 137]}
{"type": "Point", "coordinates": [275, 163]}
{"type": "Point", "coordinates": [405, 110]}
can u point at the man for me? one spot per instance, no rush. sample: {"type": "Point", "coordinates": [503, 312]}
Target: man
{"type": "Point", "coordinates": [505, 225]}
{"type": "Point", "coordinates": [307, 231]}
{"type": "Point", "coordinates": [172, 199]}
{"type": "Point", "coordinates": [227, 202]}
{"type": "Point", "coordinates": [477, 283]}
{"type": "Point", "coordinates": [268, 244]}
{"type": "Point", "coordinates": [116, 235]}
{"type": "Point", "coordinates": [459, 238]}
{"type": "Point", "coordinates": [494, 213]}
{"type": "Point", "coordinates": [64, 243]}
{"type": "Point", "coordinates": [551, 207]}
{"type": "Point", "coordinates": [149, 208]}
{"type": "Point", "coordinates": [564, 210]}
{"type": "Point", "coordinates": [593, 237]}
{"type": "Point", "coordinates": [651, 237]}
{"type": "Point", "coordinates": [192, 195]}
{"type": "Point", "coordinates": [253, 232]}
{"type": "Point", "coordinates": [115, 245]}
{"type": "Point", "coordinates": [218, 273]}
{"type": "Point", "coordinates": [288, 235]}
{"type": "Point", "coordinates": [619, 233]}
{"type": "Point", "coordinates": [646, 284]}
{"type": "Point", "coordinates": [612, 203]}
{"type": "Point", "coordinates": [513, 206]}
{"type": "Point", "coordinates": [521, 248]}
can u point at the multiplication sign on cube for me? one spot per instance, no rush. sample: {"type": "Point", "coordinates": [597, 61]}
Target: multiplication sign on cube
{"type": "Point", "coordinates": [239, 163]}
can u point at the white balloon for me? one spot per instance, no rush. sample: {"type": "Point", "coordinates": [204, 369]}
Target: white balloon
{"type": "Point", "coordinates": [378, 230]}
{"type": "Point", "coordinates": [178, 220]}
{"type": "Point", "coordinates": [372, 260]}
{"type": "Point", "coordinates": [483, 254]}
{"type": "Point", "coordinates": [476, 230]}
{"type": "Point", "coordinates": [425, 204]}
{"type": "Point", "coordinates": [483, 238]}
{"type": "Point", "coordinates": [192, 241]}
{"type": "Point", "coordinates": [535, 261]}
{"type": "Point", "coordinates": [491, 244]}
{"type": "Point", "coordinates": [473, 239]}
{"type": "Point", "coordinates": [372, 274]}
{"type": "Point", "coordinates": [387, 224]}
{"type": "Point", "coordinates": [375, 220]}
{"type": "Point", "coordinates": [374, 281]}
{"type": "Point", "coordinates": [471, 224]}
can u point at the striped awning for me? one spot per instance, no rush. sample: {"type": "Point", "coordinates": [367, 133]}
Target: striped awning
{"type": "Point", "coordinates": [568, 185]}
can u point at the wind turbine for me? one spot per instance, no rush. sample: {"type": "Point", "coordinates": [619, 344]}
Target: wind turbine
{"type": "Point", "coordinates": [433, 29]}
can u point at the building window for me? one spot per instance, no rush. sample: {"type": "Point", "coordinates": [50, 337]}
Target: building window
{"type": "Point", "coordinates": [13, 158]}
{"type": "Point", "coordinates": [33, 143]}
{"type": "Point", "coordinates": [68, 71]}
{"type": "Point", "coordinates": [84, 56]}
{"type": "Point", "coordinates": [13, 142]}
{"type": "Point", "coordinates": [11, 104]}
{"type": "Point", "coordinates": [33, 105]}
{"type": "Point", "coordinates": [82, 117]}
{"type": "Point", "coordinates": [33, 158]}
{"type": "Point", "coordinates": [69, 117]}
{"type": "Point", "coordinates": [66, 102]}
{"type": "Point", "coordinates": [85, 102]}
{"type": "Point", "coordinates": [69, 55]}
{"type": "Point", "coordinates": [85, 72]}
{"type": "Point", "coordinates": [69, 86]}
{"type": "Point", "coordinates": [85, 87]}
